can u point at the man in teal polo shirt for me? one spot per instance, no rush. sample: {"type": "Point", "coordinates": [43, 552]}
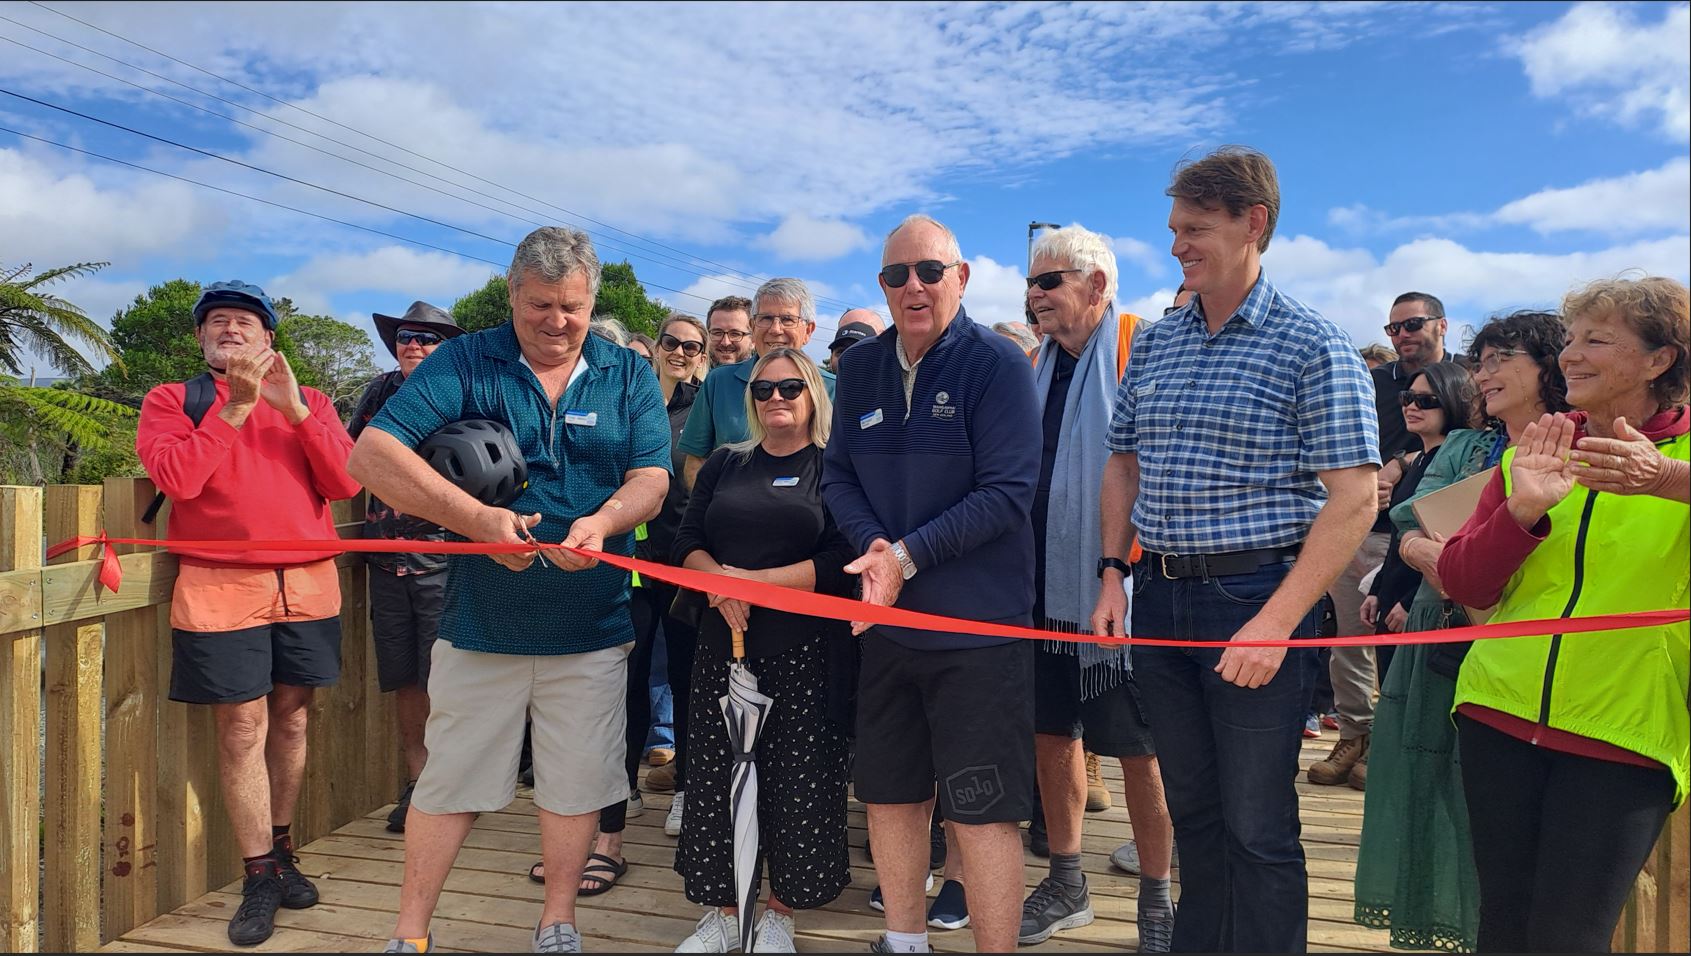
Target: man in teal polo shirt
{"type": "Point", "coordinates": [548, 644]}
{"type": "Point", "coordinates": [783, 316]}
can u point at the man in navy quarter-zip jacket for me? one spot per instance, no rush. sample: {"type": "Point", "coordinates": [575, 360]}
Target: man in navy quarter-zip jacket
{"type": "Point", "coordinates": [931, 471]}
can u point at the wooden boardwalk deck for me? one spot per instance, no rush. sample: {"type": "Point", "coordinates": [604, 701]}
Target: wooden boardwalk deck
{"type": "Point", "coordinates": [490, 906]}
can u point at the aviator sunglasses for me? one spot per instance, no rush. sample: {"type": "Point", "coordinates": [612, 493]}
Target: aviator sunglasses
{"type": "Point", "coordinates": [928, 272]}
{"type": "Point", "coordinates": [790, 388]}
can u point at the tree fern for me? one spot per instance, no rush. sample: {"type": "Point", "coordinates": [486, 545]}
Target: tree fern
{"type": "Point", "coordinates": [36, 320]}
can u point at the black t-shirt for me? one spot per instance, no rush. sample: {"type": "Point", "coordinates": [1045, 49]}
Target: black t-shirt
{"type": "Point", "coordinates": [1062, 375]}
{"type": "Point", "coordinates": [660, 531]}
{"type": "Point", "coordinates": [765, 512]}
{"type": "Point", "coordinates": [1390, 382]}
{"type": "Point", "coordinates": [1397, 582]}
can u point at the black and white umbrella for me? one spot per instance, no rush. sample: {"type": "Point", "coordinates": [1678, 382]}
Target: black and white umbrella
{"type": "Point", "coordinates": [745, 711]}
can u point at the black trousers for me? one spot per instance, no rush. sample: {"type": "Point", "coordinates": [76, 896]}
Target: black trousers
{"type": "Point", "coordinates": [1558, 840]}
{"type": "Point", "coordinates": [649, 606]}
{"type": "Point", "coordinates": [801, 801]}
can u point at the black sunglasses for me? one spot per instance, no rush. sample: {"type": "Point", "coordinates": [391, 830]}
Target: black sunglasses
{"type": "Point", "coordinates": [928, 272]}
{"type": "Point", "coordinates": [1049, 280]}
{"type": "Point", "coordinates": [670, 343]}
{"type": "Point", "coordinates": [1409, 325]}
{"type": "Point", "coordinates": [407, 336]}
{"type": "Point", "coordinates": [1425, 401]}
{"type": "Point", "coordinates": [790, 388]}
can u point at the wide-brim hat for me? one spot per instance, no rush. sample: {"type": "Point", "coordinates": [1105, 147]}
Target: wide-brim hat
{"type": "Point", "coordinates": [433, 318]}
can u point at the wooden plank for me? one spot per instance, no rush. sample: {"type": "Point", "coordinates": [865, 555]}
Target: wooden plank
{"type": "Point", "coordinates": [182, 800]}
{"type": "Point", "coordinates": [130, 871]}
{"type": "Point", "coordinates": [125, 500]}
{"type": "Point", "coordinates": [71, 912]}
{"type": "Point", "coordinates": [20, 734]}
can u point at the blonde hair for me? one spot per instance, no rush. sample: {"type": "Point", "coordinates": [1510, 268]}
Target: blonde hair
{"type": "Point", "coordinates": [821, 407]}
{"type": "Point", "coordinates": [1657, 309]}
{"type": "Point", "coordinates": [704, 341]}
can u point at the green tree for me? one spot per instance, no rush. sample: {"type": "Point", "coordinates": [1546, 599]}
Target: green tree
{"type": "Point", "coordinates": [329, 355]}
{"type": "Point", "coordinates": [620, 295]}
{"type": "Point", "coordinates": [46, 432]}
{"type": "Point", "coordinates": [484, 308]}
{"type": "Point", "coordinates": [35, 319]}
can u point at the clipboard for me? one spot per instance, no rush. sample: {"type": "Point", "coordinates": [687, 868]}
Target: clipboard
{"type": "Point", "coordinates": [1446, 510]}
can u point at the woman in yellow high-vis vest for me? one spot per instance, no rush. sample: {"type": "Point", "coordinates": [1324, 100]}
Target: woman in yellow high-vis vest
{"type": "Point", "coordinates": [1574, 747]}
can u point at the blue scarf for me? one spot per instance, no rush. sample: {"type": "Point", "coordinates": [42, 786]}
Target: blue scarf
{"type": "Point", "coordinates": [1073, 540]}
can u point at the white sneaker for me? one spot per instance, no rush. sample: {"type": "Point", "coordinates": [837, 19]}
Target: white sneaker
{"type": "Point", "coordinates": [715, 933]}
{"type": "Point", "coordinates": [774, 933]}
{"type": "Point", "coordinates": [636, 805]}
{"type": "Point", "coordinates": [672, 823]}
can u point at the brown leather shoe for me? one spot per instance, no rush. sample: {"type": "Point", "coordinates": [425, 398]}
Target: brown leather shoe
{"type": "Point", "coordinates": [1359, 774]}
{"type": "Point", "coordinates": [658, 756]}
{"type": "Point", "coordinates": [1335, 770]}
{"type": "Point", "coordinates": [660, 779]}
{"type": "Point", "coordinates": [1097, 795]}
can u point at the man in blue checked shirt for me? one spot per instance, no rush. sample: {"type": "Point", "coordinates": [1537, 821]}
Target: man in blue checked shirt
{"type": "Point", "coordinates": [1244, 451]}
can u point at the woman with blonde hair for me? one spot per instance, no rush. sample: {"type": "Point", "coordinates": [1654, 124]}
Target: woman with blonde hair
{"type": "Point", "coordinates": [756, 513]}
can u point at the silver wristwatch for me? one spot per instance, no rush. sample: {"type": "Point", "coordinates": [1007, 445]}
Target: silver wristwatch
{"type": "Point", "coordinates": [905, 566]}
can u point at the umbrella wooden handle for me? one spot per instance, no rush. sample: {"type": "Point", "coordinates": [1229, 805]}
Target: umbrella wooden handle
{"type": "Point", "coordinates": [739, 638]}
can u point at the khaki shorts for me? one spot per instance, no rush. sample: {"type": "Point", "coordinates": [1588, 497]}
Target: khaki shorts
{"type": "Point", "coordinates": [477, 704]}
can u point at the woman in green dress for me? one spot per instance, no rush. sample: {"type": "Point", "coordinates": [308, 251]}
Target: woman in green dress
{"type": "Point", "coordinates": [1415, 869]}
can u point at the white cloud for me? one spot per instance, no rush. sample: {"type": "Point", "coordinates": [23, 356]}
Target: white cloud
{"type": "Point", "coordinates": [1634, 203]}
{"type": "Point", "coordinates": [996, 292]}
{"type": "Point", "coordinates": [808, 238]}
{"type": "Point", "coordinates": [1355, 289]}
{"type": "Point", "coordinates": [53, 215]}
{"type": "Point", "coordinates": [1149, 306]}
{"type": "Point", "coordinates": [1641, 203]}
{"type": "Point", "coordinates": [1152, 261]}
{"type": "Point", "coordinates": [1611, 62]}
{"type": "Point", "coordinates": [408, 274]}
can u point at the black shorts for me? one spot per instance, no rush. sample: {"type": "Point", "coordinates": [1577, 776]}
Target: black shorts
{"type": "Point", "coordinates": [1112, 724]}
{"type": "Point", "coordinates": [963, 717]}
{"type": "Point", "coordinates": [404, 622]}
{"type": "Point", "coordinates": [231, 667]}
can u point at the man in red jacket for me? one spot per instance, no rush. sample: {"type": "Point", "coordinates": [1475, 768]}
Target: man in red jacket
{"type": "Point", "coordinates": [253, 632]}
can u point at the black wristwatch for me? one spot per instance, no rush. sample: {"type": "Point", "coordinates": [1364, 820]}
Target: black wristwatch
{"type": "Point", "coordinates": [1116, 563]}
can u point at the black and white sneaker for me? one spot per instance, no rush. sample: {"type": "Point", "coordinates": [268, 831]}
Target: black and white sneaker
{"type": "Point", "coordinates": [1052, 908]}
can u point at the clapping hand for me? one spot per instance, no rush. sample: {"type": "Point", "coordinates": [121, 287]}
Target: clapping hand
{"type": "Point", "coordinates": [1628, 464]}
{"type": "Point", "coordinates": [1541, 474]}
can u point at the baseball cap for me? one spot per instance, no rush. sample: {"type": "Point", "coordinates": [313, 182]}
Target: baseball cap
{"type": "Point", "coordinates": [851, 333]}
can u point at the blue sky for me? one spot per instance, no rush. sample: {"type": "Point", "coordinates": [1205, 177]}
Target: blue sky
{"type": "Point", "coordinates": [1494, 155]}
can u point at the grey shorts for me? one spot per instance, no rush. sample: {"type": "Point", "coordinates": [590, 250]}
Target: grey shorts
{"type": "Point", "coordinates": [404, 621]}
{"type": "Point", "coordinates": [477, 706]}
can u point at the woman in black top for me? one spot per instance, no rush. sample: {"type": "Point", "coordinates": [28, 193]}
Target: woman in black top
{"type": "Point", "coordinates": [1439, 400]}
{"type": "Point", "coordinates": [756, 513]}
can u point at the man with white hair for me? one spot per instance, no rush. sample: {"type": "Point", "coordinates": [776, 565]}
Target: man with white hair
{"type": "Point", "coordinates": [930, 472]}
{"type": "Point", "coordinates": [548, 643]}
{"type": "Point", "coordinates": [1084, 691]}
{"type": "Point", "coordinates": [783, 316]}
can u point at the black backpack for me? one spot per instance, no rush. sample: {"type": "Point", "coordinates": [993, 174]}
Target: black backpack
{"type": "Point", "coordinates": [200, 391]}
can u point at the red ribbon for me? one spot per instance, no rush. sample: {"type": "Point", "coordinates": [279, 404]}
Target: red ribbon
{"type": "Point", "coordinates": [844, 609]}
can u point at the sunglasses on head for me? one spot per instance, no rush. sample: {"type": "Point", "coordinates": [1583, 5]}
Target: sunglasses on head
{"type": "Point", "coordinates": [670, 343]}
{"type": "Point", "coordinates": [928, 272]}
{"type": "Point", "coordinates": [1409, 325]}
{"type": "Point", "coordinates": [790, 388]}
{"type": "Point", "coordinates": [1425, 401]}
{"type": "Point", "coordinates": [407, 336]}
{"type": "Point", "coordinates": [1049, 280]}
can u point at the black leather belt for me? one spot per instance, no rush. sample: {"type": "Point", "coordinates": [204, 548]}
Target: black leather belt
{"type": "Point", "coordinates": [1173, 566]}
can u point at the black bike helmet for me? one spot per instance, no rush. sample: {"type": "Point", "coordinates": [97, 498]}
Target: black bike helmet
{"type": "Point", "coordinates": [479, 456]}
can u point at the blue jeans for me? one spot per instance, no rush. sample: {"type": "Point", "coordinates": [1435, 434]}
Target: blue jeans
{"type": "Point", "coordinates": [663, 704]}
{"type": "Point", "coordinates": [1229, 756]}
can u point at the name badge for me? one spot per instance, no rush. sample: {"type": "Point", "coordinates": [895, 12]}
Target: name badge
{"type": "Point", "coordinates": [588, 419]}
{"type": "Point", "coordinates": [785, 482]}
{"type": "Point", "coordinates": [871, 420]}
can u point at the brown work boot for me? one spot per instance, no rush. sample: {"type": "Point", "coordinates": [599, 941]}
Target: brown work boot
{"type": "Point", "coordinates": [1359, 774]}
{"type": "Point", "coordinates": [660, 779]}
{"type": "Point", "coordinates": [1097, 795]}
{"type": "Point", "coordinates": [1336, 769]}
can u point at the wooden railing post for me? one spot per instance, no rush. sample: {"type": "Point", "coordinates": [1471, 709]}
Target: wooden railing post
{"type": "Point", "coordinates": [20, 734]}
{"type": "Point", "coordinates": [71, 916]}
{"type": "Point", "coordinates": [130, 872]}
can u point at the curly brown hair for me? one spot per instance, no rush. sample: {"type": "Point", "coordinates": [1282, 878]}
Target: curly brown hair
{"type": "Point", "coordinates": [1658, 310]}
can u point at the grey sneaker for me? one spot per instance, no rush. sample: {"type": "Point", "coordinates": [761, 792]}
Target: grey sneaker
{"type": "Point", "coordinates": [1156, 932]}
{"type": "Point", "coordinates": [1126, 858]}
{"type": "Point", "coordinates": [407, 946]}
{"type": "Point", "coordinates": [1052, 908]}
{"type": "Point", "coordinates": [557, 938]}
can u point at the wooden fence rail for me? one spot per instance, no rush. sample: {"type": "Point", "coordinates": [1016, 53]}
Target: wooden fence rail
{"type": "Point", "coordinates": [110, 812]}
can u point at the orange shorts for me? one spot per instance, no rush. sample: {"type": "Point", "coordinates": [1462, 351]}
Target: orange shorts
{"type": "Point", "coordinates": [217, 598]}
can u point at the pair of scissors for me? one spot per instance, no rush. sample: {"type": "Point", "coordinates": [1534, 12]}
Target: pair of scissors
{"type": "Point", "coordinates": [529, 537]}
